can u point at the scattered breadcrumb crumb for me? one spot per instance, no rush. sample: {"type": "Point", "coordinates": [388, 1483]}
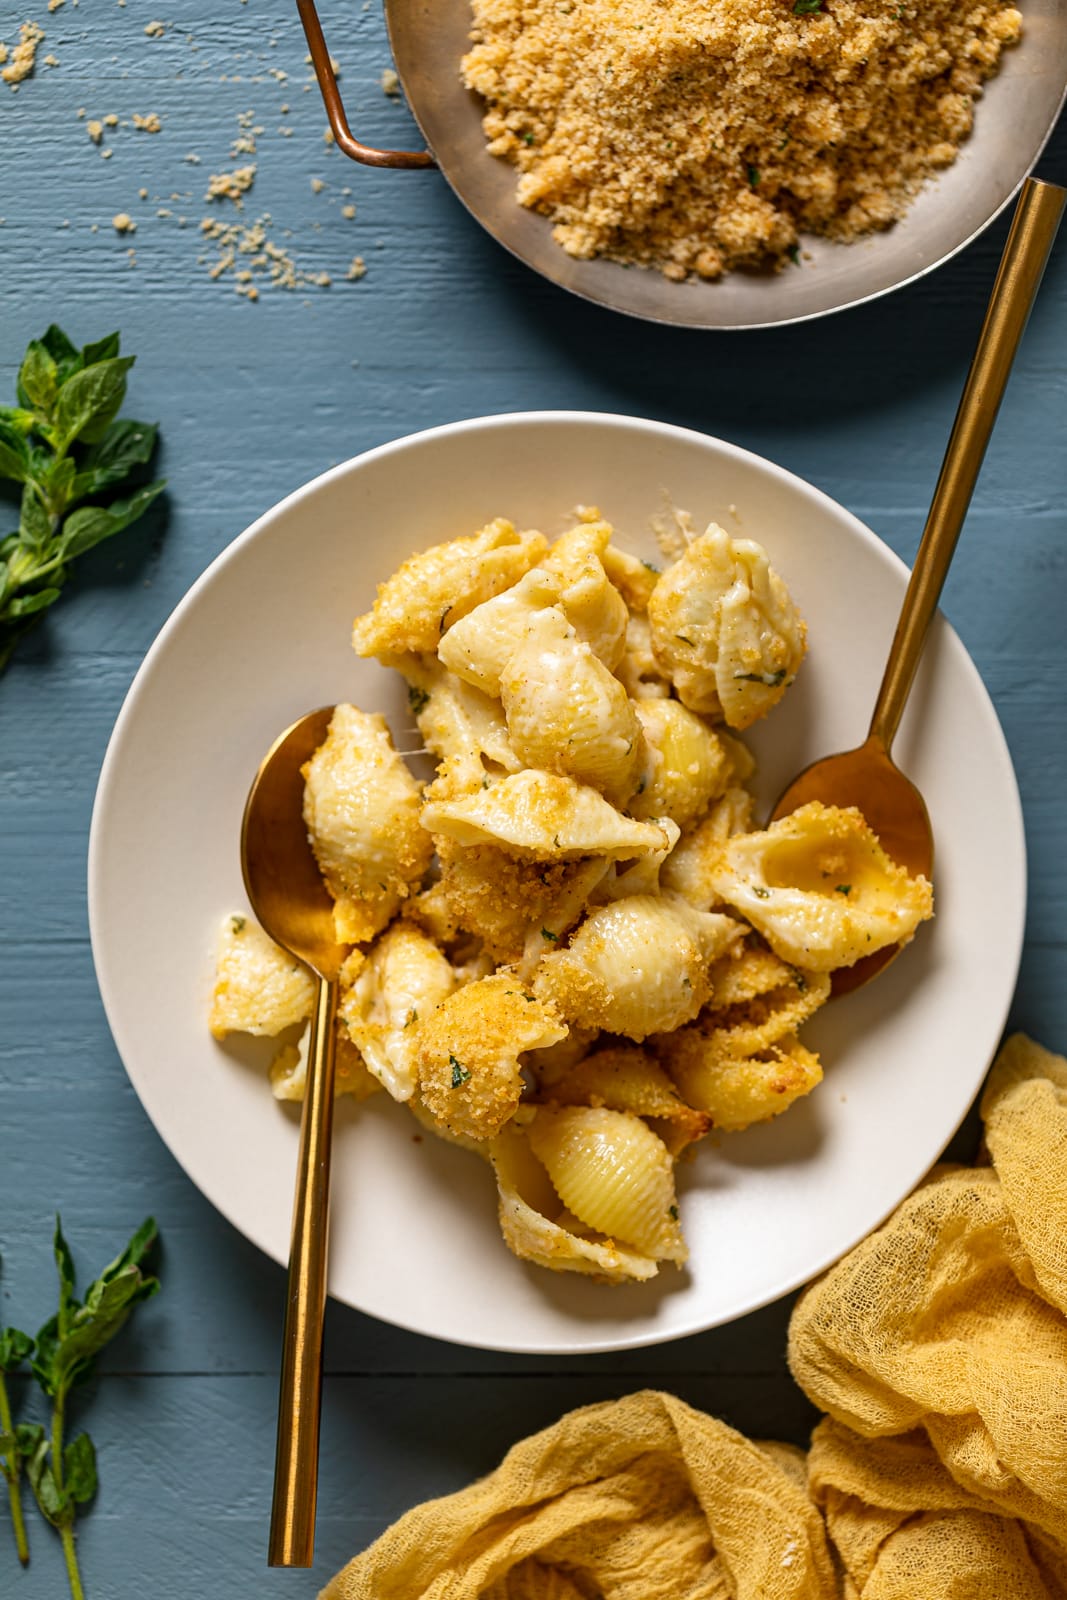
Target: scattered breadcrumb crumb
{"type": "Point", "coordinates": [155, 30]}
{"type": "Point", "coordinates": [230, 185]}
{"type": "Point", "coordinates": [111, 120]}
{"type": "Point", "coordinates": [142, 194]}
{"type": "Point", "coordinates": [317, 185]}
{"type": "Point", "coordinates": [122, 222]}
{"type": "Point", "coordinates": [390, 82]}
{"type": "Point", "coordinates": [50, 61]}
{"type": "Point", "coordinates": [357, 269]}
{"type": "Point", "coordinates": [22, 55]}
{"type": "Point", "coordinates": [327, 136]}
{"type": "Point", "coordinates": [81, 111]}
{"type": "Point", "coordinates": [54, 5]}
{"type": "Point", "coordinates": [105, 155]}
{"type": "Point", "coordinates": [348, 212]}
{"type": "Point", "coordinates": [193, 160]}
{"type": "Point", "coordinates": [95, 130]}
{"type": "Point", "coordinates": [149, 123]}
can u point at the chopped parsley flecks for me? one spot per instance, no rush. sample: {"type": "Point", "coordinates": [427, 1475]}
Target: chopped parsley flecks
{"type": "Point", "coordinates": [418, 699]}
{"type": "Point", "coordinates": [460, 1073]}
{"type": "Point", "coordinates": [770, 680]}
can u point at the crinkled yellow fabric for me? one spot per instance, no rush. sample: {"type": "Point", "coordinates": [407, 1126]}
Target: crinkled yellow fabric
{"type": "Point", "coordinates": [938, 1348]}
{"type": "Point", "coordinates": [638, 1499]}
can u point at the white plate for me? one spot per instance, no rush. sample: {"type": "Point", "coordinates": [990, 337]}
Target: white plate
{"type": "Point", "coordinates": [264, 636]}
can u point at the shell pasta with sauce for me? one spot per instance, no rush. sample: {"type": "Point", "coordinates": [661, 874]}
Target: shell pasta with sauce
{"type": "Point", "coordinates": [571, 953]}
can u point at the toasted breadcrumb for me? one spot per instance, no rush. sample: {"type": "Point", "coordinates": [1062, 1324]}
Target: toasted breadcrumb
{"type": "Point", "coordinates": [122, 222]}
{"type": "Point", "coordinates": [147, 124]}
{"type": "Point", "coordinates": [155, 30]}
{"type": "Point", "coordinates": [390, 83]}
{"type": "Point", "coordinates": [230, 185]}
{"type": "Point", "coordinates": [95, 130]}
{"type": "Point", "coordinates": [700, 135]}
{"type": "Point", "coordinates": [22, 55]}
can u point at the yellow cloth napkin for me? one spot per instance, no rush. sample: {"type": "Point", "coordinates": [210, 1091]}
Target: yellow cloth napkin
{"type": "Point", "coordinates": [938, 1348]}
{"type": "Point", "coordinates": [638, 1499]}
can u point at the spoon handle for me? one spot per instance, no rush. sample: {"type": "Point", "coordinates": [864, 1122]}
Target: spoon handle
{"type": "Point", "coordinates": [296, 1461]}
{"type": "Point", "coordinates": [1037, 216]}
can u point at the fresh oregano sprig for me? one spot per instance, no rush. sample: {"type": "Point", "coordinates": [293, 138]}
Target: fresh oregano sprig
{"type": "Point", "coordinates": [15, 1348]}
{"type": "Point", "coordinates": [62, 1473]}
{"type": "Point", "coordinates": [65, 443]}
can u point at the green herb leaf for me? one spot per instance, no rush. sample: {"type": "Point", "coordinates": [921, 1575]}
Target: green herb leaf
{"type": "Point", "coordinates": [89, 401]}
{"type": "Point", "coordinates": [753, 176]}
{"type": "Point", "coordinates": [417, 699]}
{"type": "Point", "coordinates": [104, 349]}
{"type": "Point", "coordinates": [843, 888]}
{"type": "Point", "coordinates": [35, 525]}
{"type": "Point", "coordinates": [125, 445]}
{"type": "Point", "coordinates": [69, 1343]}
{"type": "Point", "coordinates": [79, 1469]}
{"type": "Point", "coordinates": [67, 357]}
{"type": "Point", "coordinates": [91, 525]}
{"type": "Point", "coordinates": [14, 453]}
{"type": "Point", "coordinates": [64, 443]}
{"type": "Point", "coordinates": [760, 892]}
{"type": "Point", "coordinates": [15, 1348]}
{"type": "Point", "coordinates": [546, 933]}
{"type": "Point", "coordinates": [53, 1503]}
{"type": "Point", "coordinates": [806, 8]}
{"type": "Point", "coordinates": [38, 379]}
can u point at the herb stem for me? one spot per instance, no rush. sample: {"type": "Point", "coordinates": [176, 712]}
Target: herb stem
{"type": "Point", "coordinates": [17, 1521]}
{"type": "Point", "coordinates": [70, 1556]}
{"type": "Point", "coordinates": [66, 1527]}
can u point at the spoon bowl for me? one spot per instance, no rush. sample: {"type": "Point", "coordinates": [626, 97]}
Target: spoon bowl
{"type": "Point", "coordinates": [281, 874]}
{"type": "Point", "coordinates": [289, 898]}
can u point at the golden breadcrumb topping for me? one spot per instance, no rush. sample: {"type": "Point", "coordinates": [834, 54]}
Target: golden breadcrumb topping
{"type": "Point", "coordinates": [701, 135]}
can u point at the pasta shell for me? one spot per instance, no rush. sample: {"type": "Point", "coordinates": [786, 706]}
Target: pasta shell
{"type": "Point", "coordinates": [686, 765]}
{"type": "Point", "coordinates": [544, 815]}
{"type": "Point", "coordinates": [530, 1210]}
{"type": "Point", "coordinates": [725, 630]}
{"type": "Point", "coordinates": [468, 1050]}
{"type": "Point", "coordinates": [565, 711]}
{"type": "Point", "coordinates": [361, 807]}
{"type": "Point", "coordinates": [590, 601]}
{"type": "Point", "coordinates": [478, 646]}
{"type": "Point", "coordinates": [737, 1091]}
{"type": "Point", "coordinates": [689, 869]}
{"type": "Point", "coordinates": [403, 978]}
{"type": "Point", "coordinates": [462, 727]}
{"type": "Point", "coordinates": [613, 1173]}
{"type": "Point", "coordinates": [259, 988]}
{"type": "Point", "coordinates": [820, 889]}
{"type": "Point", "coordinates": [637, 966]}
{"type": "Point", "coordinates": [435, 588]}
{"type": "Point", "coordinates": [639, 672]}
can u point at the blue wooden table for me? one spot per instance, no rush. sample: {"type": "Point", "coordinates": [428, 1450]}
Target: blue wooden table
{"type": "Point", "coordinates": [253, 399]}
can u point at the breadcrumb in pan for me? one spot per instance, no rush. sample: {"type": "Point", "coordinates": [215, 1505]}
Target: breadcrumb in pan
{"type": "Point", "coordinates": [697, 136]}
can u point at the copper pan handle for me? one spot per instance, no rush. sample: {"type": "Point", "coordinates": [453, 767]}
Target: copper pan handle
{"type": "Point", "coordinates": [320, 59]}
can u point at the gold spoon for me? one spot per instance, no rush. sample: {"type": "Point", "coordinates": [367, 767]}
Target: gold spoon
{"type": "Point", "coordinates": [866, 777]}
{"type": "Point", "coordinates": [288, 896]}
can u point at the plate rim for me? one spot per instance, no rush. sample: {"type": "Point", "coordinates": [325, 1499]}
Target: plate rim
{"type": "Point", "coordinates": [110, 772]}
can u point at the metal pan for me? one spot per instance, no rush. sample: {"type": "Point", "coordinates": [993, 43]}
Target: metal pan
{"type": "Point", "coordinates": [1014, 119]}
